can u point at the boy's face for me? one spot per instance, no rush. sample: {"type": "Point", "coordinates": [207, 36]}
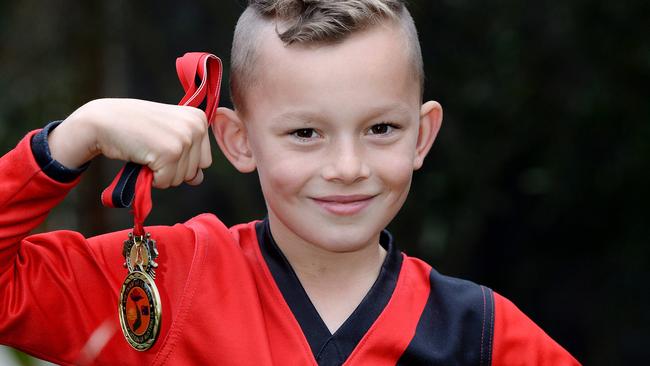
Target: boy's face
{"type": "Point", "coordinates": [335, 134]}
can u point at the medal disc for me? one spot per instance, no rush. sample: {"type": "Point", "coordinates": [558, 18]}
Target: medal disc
{"type": "Point", "coordinates": [140, 310]}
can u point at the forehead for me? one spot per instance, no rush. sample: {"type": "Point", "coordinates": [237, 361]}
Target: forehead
{"type": "Point", "coordinates": [367, 72]}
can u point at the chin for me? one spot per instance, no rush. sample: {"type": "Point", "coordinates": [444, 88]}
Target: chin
{"type": "Point", "coordinates": [344, 241]}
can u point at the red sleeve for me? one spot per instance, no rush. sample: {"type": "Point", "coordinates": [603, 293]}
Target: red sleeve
{"type": "Point", "coordinates": [26, 197]}
{"type": "Point", "coordinates": [519, 341]}
{"type": "Point", "coordinates": [59, 290]}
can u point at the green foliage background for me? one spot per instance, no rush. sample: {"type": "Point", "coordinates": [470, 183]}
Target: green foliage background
{"type": "Point", "coordinates": [537, 184]}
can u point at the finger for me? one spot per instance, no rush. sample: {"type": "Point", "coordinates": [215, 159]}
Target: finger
{"type": "Point", "coordinates": [197, 179]}
{"type": "Point", "coordinates": [206, 153]}
{"type": "Point", "coordinates": [193, 162]}
{"type": "Point", "coordinates": [163, 178]}
{"type": "Point", "coordinates": [181, 168]}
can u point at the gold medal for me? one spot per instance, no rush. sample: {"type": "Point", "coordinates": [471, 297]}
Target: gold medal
{"type": "Point", "coordinates": [139, 307]}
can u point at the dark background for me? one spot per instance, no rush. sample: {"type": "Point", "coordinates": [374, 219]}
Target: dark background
{"type": "Point", "coordinates": [536, 186]}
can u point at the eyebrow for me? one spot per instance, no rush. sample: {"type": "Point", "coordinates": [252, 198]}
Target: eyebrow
{"type": "Point", "coordinates": [306, 116]}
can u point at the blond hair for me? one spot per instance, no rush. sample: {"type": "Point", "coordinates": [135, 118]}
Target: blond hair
{"type": "Point", "coordinates": [311, 22]}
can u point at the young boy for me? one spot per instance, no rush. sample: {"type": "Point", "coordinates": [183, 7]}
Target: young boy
{"type": "Point", "coordinates": [329, 112]}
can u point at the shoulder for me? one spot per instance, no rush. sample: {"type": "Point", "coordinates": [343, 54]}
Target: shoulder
{"type": "Point", "coordinates": [459, 293]}
{"type": "Point", "coordinates": [208, 225]}
{"type": "Point", "coordinates": [213, 237]}
{"type": "Point", "coordinates": [452, 293]}
{"type": "Point", "coordinates": [468, 323]}
{"type": "Point", "coordinates": [456, 324]}
{"type": "Point", "coordinates": [518, 340]}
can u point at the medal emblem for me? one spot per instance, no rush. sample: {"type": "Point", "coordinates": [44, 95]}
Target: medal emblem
{"type": "Point", "coordinates": [139, 307]}
{"type": "Point", "coordinates": [139, 254]}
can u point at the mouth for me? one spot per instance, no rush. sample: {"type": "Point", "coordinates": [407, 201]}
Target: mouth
{"type": "Point", "coordinates": [344, 205]}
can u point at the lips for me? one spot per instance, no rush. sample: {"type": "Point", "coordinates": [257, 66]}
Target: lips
{"type": "Point", "coordinates": [344, 205]}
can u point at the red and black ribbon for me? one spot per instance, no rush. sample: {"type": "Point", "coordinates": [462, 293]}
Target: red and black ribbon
{"type": "Point", "coordinates": [200, 75]}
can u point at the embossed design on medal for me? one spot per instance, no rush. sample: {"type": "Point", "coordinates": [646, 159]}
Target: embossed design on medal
{"type": "Point", "coordinates": [139, 306]}
{"type": "Point", "coordinates": [140, 253]}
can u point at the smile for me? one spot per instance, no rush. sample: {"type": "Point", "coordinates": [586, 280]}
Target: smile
{"type": "Point", "coordinates": [344, 205]}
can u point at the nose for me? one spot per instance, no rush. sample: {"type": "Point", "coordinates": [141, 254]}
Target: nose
{"type": "Point", "coordinates": [346, 163]}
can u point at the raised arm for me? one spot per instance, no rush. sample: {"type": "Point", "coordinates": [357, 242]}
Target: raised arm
{"type": "Point", "coordinates": [171, 140]}
{"type": "Point", "coordinates": [57, 288]}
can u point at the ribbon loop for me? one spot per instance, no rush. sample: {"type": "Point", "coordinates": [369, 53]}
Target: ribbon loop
{"type": "Point", "coordinates": [133, 182]}
{"type": "Point", "coordinates": [208, 69]}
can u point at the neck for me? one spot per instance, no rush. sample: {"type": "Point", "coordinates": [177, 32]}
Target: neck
{"type": "Point", "coordinates": [335, 282]}
{"type": "Point", "coordinates": [318, 268]}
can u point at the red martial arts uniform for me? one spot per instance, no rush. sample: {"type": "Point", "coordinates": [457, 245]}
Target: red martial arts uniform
{"type": "Point", "coordinates": [229, 297]}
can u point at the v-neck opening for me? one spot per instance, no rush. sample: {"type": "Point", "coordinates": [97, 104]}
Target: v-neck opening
{"type": "Point", "coordinates": [328, 348]}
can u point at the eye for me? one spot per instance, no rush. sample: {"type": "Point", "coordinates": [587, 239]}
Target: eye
{"type": "Point", "coordinates": [304, 133]}
{"type": "Point", "coordinates": [383, 128]}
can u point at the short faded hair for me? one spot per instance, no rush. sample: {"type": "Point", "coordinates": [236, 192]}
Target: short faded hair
{"type": "Point", "coordinates": [311, 22]}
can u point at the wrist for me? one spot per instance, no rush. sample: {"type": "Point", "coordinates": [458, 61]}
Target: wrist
{"type": "Point", "coordinates": [52, 168]}
{"type": "Point", "coordinates": [73, 143]}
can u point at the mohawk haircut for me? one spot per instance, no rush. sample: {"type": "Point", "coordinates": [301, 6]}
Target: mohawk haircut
{"type": "Point", "coordinates": [311, 22]}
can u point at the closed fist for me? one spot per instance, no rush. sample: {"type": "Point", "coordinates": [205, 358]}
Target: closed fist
{"type": "Point", "coordinates": [171, 140]}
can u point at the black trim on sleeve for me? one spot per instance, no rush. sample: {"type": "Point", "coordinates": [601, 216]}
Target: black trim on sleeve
{"type": "Point", "coordinates": [456, 326]}
{"type": "Point", "coordinates": [49, 166]}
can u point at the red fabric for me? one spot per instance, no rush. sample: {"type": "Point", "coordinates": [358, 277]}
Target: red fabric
{"type": "Point", "coordinates": [221, 306]}
{"type": "Point", "coordinates": [519, 341]}
{"type": "Point", "coordinates": [208, 69]}
{"type": "Point", "coordinates": [142, 200]}
{"type": "Point", "coordinates": [391, 334]}
{"type": "Point", "coordinates": [106, 198]}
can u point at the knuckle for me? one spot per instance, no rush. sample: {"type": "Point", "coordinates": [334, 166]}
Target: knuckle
{"type": "Point", "coordinates": [185, 135]}
{"type": "Point", "coordinates": [201, 116]}
{"type": "Point", "coordinates": [202, 128]}
{"type": "Point", "coordinates": [194, 133]}
{"type": "Point", "coordinates": [172, 150]}
{"type": "Point", "coordinates": [198, 126]}
{"type": "Point", "coordinates": [185, 139]}
{"type": "Point", "coordinates": [196, 114]}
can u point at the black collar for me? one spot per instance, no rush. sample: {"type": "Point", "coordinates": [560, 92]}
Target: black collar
{"type": "Point", "coordinates": [330, 349]}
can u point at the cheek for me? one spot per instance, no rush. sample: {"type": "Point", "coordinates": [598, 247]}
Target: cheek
{"type": "Point", "coordinates": [276, 169]}
{"type": "Point", "coordinates": [284, 173]}
{"type": "Point", "coordinates": [395, 168]}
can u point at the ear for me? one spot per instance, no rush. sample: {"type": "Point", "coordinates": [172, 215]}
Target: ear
{"type": "Point", "coordinates": [232, 137]}
{"type": "Point", "coordinates": [430, 121]}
